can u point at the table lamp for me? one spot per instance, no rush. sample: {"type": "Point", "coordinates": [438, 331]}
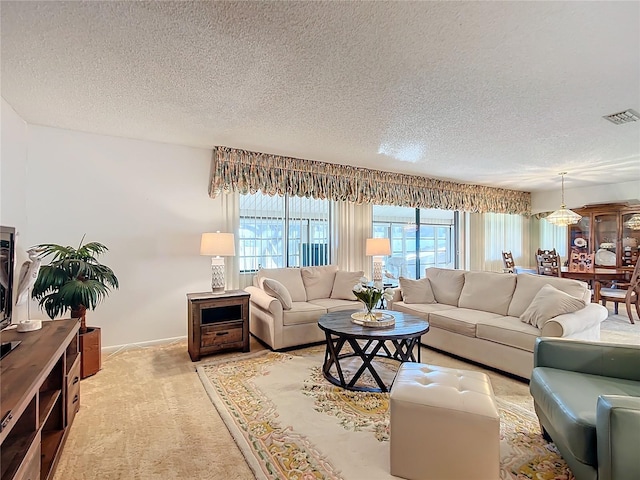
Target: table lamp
{"type": "Point", "coordinates": [217, 245]}
{"type": "Point", "coordinates": [377, 248]}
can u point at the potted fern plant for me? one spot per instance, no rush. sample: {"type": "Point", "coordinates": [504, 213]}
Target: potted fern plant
{"type": "Point", "coordinates": [75, 280]}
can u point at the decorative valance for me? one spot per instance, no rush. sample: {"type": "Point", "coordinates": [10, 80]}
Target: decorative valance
{"type": "Point", "coordinates": [248, 172]}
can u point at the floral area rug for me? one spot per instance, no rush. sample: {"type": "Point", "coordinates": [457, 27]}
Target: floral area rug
{"type": "Point", "coordinates": [291, 424]}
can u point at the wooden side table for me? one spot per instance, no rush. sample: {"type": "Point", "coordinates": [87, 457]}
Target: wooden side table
{"type": "Point", "coordinates": [218, 322]}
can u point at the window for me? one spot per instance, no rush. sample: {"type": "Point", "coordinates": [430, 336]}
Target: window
{"type": "Point", "coordinates": [265, 223]}
{"type": "Point", "coordinates": [420, 238]}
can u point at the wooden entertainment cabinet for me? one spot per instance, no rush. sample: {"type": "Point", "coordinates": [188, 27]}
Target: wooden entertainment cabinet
{"type": "Point", "coordinates": [40, 395]}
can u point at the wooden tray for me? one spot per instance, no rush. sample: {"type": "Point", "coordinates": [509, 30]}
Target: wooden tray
{"type": "Point", "coordinates": [382, 320]}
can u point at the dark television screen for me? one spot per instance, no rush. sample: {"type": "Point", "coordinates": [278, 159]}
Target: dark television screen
{"type": "Point", "coordinates": [7, 268]}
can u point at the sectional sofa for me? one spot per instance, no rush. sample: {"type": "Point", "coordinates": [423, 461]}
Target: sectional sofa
{"type": "Point", "coordinates": [286, 303]}
{"type": "Point", "coordinates": [495, 318]}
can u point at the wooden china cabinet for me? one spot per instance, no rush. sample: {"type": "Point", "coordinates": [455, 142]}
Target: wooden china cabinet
{"type": "Point", "coordinates": [610, 231]}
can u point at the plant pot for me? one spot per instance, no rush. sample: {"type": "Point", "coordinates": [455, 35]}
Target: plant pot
{"type": "Point", "coordinates": [90, 349]}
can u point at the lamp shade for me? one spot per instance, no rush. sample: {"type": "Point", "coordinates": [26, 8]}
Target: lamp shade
{"type": "Point", "coordinates": [377, 247]}
{"type": "Point", "coordinates": [217, 244]}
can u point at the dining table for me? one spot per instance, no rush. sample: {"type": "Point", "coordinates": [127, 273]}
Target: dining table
{"type": "Point", "coordinates": [603, 275]}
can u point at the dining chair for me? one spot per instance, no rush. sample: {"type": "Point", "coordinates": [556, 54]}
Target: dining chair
{"type": "Point", "coordinates": [582, 262]}
{"type": "Point", "coordinates": [627, 292]}
{"type": "Point", "coordinates": [548, 262]}
{"type": "Point", "coordinates": [508, 263]}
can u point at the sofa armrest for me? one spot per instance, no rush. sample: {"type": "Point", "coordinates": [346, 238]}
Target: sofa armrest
{"type": "Point", "coordinates": [569, 324]}
{"type": "Point", "coordinates": [397, 297]}
{"type": "Point", "coordinates": [265, 301]}
{"type": "Point", "coordinates": [596, 358]}
{"type": "Point", "coordinates": [617, 427]}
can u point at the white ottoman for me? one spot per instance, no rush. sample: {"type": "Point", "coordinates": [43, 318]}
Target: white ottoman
{"type": "Point", "coordinates": [444, 424]}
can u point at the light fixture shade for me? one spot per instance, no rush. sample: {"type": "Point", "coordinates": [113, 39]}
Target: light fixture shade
{"type": "Point", "coordinates": [218, 244]}
{"type": "Point", "coordinates": [377, 247]}
{"type": "Point", "coordinates": [564, 217]}
{"type": "Point", "coordinates": [634, 222]}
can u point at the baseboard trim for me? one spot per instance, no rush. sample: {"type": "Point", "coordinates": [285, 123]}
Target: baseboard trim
{"type": "Point", "coordinates": [150, 343]}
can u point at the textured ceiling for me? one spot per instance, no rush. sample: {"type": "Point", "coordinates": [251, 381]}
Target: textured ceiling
{"type": "Point", "coordinates": [505, 94]}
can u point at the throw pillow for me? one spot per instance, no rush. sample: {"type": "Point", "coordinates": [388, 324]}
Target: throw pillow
{"type": "Point", "coordinates": [318, 281]}
{"type": "Point", "coordinates": [343, 284]}
{"type": "Point", "coordinates": [416, 291]}
{"type": "Point", "coordinates": [550, 302]}
{"type": "Point", "coordinates": [446, 284]}
{"type": "Point", "coordinates": [278, 290]}
{"type": "Point", "coordinates": [289, 277]}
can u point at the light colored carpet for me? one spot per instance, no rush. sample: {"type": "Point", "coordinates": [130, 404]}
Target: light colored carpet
{"type": "Point", "coordinates": [146, 416]}
{"type": "Point", "coordinates": [292, 424]}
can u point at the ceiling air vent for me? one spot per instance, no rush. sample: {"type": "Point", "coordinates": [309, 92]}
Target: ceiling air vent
{"type": "Point", "coordinates": [623, 117]}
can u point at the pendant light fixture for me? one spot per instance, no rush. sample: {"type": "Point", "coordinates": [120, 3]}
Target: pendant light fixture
{"type": "Point", "coordinates": [634, 222]}
{"type": "Point", "coordinates": [563, 217]}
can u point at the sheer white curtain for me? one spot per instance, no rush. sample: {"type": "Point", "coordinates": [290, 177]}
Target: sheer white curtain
{"type": "Point", "coordinates": [231, 215]}
{"type": "Point", "coordinates": [552, 236]}
{"type": "Point", "coordinates": [490, 234]}
{"type": "Point", "coordinates": [352, 225]}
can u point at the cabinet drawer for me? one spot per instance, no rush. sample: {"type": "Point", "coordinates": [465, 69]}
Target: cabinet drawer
{"type": "Point", "coordinates": [73, 390]}
{"type": "Point", "coordinates": [73, 377]}
{"type": "Point", "coordinates": [73, 404]}
{"type": "Point", "coordinates": [220, 335]}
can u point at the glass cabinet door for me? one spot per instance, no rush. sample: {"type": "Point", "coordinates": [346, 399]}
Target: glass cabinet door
{"type": "Point", "coordinates": [605, 238]}
{"type": "Point", "coordinates": [630, 239]}
{"type": "Point", "coordinates": [579, 236]}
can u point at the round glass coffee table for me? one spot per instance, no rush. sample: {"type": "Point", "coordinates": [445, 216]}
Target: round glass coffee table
{"type": "Point", "coordinates": [366, 344]}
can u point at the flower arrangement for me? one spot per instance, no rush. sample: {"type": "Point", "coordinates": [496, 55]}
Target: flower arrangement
{"type": "Point", "coordinates": [371, 295]}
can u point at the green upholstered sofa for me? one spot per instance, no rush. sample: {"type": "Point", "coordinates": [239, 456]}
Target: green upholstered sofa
{"type": "Point", "coordinates": [587, 398]}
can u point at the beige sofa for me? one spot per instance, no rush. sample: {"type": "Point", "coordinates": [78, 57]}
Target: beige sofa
{"type": "Point", "coordinates": [286, 303]}
{"type": "Point", "coordinates": [477, 315]}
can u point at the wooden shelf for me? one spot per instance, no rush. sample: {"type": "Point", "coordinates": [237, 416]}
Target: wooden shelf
{"type": "Point", "coordinates": [51, 443]}
{"type": "Point", "coordinates": [14, 452]}
{"type": "Point", "coordinates": [48, 400]}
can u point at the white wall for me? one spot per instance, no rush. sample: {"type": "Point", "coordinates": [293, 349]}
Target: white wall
{"type": "Point", "coordinates": [548, 201]}
{"type": "Point", "coordinates": [147, 202]}
{"type": "Point", "coordinates": [13, 168]}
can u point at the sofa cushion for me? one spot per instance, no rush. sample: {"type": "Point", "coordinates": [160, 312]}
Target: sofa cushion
{"type": "Point", "coordinates": [508, 331]}
{"type": "Point", "coordinates": [549, 302]}
{"type": "Point", "coordinates": [421, 310]}
{"type": "Point", "coordinates": [289, 277]}
{"type": "Point", "coordinates": [302, 312]}
{"type": "Point", "coordinates": [336, 304]}
{"type": "Point", "coordinates": [487, 291]}
{"type": "Point", "coordinates": [459, 320]}
{"type": "Point", "coordinates": [416, 291]}
{"type": "Point", "coordinates": [318, 281]}
{"type": "Point", "coordinates": [278, 290]}
{"type": "Point", "coordinates": [568, 400]}
{"type": "Point", "coordinates": [343, 284]}
{"type": "Point", "coordinates": [446, 284]}
{"type": "Point", "coordinates": [527, 286]}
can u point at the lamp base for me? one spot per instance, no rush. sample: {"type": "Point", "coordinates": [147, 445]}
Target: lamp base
{"type": "Point", "coordinates": [377, 270]}
{"type": "Point", "coordinates": [217, 275]}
